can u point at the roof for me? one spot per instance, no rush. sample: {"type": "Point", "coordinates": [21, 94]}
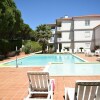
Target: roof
{"type": "Point", "coordinates": [86, 16]}
{"type": "Point", "coordinates": [97, 26]}
{"type": "Point", "coordinates": [51, 25]}
{"type": "Point", "coordinates": [63, 19]}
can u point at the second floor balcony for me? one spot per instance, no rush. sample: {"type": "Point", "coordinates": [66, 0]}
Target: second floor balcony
{"type": "Point", "coordinates": [53, 31]}
{"type": "Point", "coordinates": [63, 40]}
{"type": "Point", "coordinates": [58, 28]}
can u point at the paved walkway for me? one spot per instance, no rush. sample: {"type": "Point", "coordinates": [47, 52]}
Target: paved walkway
{"type": "Point", "coordinates": [14, 82]}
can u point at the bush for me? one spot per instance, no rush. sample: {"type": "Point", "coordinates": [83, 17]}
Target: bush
{"type": "Point", "coordinates": [7, 46]}
{"type": "Point", "coordinates": [31, 47]}
{"type": "Point", "coordinates": [2, 57]}
{"type": "Point", "coordinates": [4, 47]}
{"type": "Point", "coordinates": [14, 43]}
{"type": "Point", "coordinates": [26, 50]}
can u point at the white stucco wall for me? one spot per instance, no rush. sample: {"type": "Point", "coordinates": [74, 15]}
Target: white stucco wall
{"type": "Point", "coordinates": [83, 35]}
{"type": "Point", "coordinates": [80, 23]}
{"type": "Point", "coordinates": [66, 36]}
{"type": "Point", "coordinates": [97, 36]}
{"type": "Point", "coordinates": [66, 45]}
{"type": "Point", "coordinates": [85, 45]}
{"type": "Point", "coordinates": [80, 32]}
{"type": "Point", "coordinates": [66, 25]}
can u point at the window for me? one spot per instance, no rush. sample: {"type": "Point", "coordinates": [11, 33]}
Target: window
{"type": "Point", "coordinates": [87, 34]}
{"type": "Point", "coordinates": [87, 22]}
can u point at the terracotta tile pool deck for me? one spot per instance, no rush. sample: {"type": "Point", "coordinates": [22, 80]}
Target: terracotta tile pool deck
{"type": "Point", "coordinates": [14, 81]}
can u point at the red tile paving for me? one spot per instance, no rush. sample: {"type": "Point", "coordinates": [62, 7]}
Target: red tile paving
{"type": "Point", "coordinates": [14, 82]}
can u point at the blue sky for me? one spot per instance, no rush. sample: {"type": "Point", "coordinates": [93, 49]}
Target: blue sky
{"type": "Point", "coordinates": [36, 12]}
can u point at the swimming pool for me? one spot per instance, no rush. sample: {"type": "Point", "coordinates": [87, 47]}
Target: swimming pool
{"type": "Point", "coordinates": [73, 69]}
{"type": "Point", "coordinates": [59, 64]}
{"type": "Point", "coordinates": [44, 59]}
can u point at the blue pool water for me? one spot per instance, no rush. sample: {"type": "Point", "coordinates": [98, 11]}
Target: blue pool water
{"type": "Point", "coordinates": [73, 69]}
{"type": "Point", "coordinates": [61, 64]}
{"type": "Point", "coordinates": [42, 60]}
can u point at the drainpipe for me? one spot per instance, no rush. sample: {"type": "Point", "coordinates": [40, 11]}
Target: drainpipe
{"type": "Point", "coordinates": [73, 42]}
{"type": "Point", "coordinates": [94, 37]}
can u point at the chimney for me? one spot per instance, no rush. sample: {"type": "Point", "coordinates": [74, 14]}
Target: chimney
{"type": "Point", "coordinates": [65, 16]}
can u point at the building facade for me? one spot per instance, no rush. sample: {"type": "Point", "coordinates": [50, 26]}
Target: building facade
{"type": "Point", "coordinates": [75, 33]}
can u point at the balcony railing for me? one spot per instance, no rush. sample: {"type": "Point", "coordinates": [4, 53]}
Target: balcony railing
{"type": "Point", "coordinates": [53, 31]}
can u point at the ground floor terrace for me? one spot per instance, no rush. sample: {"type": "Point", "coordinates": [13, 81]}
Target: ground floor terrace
{"type": "Point", "coordinates": [14, 81]}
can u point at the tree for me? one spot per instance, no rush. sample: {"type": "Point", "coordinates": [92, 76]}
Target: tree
{"type": "Point", "coordinates": [10, 25]}
{"type": "Point", "coordinates": [43, 34]}
{"type": "Point", "coordinates": [33, 35]}
{"type": "Point", "coordinates": [44, 43]}
{"type": "Point", "coordinates": [25, 31]}
{"type": "Point", "coordinates": [10, 19]}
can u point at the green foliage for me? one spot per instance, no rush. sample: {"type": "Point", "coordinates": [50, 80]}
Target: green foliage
{"type": "Point", "coordinates": [43, 34]}
{"type": "Point", "coordinates": [7, 46]}
{"type": "Point", "coordinates": [27, 48]}
{"type": "Point", "coordinates": [10, 19]}
{"type": "Point", "coordinates": [35, 46]}
{"type": "Point", "coordinates": [14, 43]}
{"type": "Point", "coordinates": [43, 31]}
{"type": "Point", "coordinates": [25, 31]}
{"type": "Point", "coordinates": [43, 42]}
{"type": "Point", "coordinates": [33, 35]}
{"type": "Point", "coordinates": [31, 47]}
{"type": "Point", "coordinates": [24, 42]}
{"type": "Point", "coordinates": [4, 47]}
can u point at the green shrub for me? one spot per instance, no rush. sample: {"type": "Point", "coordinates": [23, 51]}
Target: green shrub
{"type": "Point", "coordinates": [4, 47]}
{"type": "Point", "coordinates": [31, 47]}
{"type": "Point", "coordinates": [24, 41]}
{"type": "Point", "coordinates": [7, 46]}
{"type": "Point", "coordinates": [26, 49]}
{"type": "Point", "coordinates": [35, 46]}
{"type": "Point", "coordinates": [14, 43]}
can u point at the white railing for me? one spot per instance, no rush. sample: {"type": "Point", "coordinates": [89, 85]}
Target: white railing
{"type": "Point", "coordinates": [53, 31]}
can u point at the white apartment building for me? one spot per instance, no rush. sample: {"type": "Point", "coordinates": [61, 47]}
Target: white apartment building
{"type": "Point", "coordinates": [76, 32]}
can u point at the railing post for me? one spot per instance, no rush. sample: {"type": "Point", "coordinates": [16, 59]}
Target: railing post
{"type": "Point", "coordinates": [16, 58]}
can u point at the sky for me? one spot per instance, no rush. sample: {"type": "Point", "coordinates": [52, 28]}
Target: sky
{"type": "Point", "coordinates": [37, 12]}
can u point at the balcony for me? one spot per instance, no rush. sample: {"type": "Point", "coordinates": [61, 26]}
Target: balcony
{"type": "Point", "coordinates": [58, 28]}
{"type": "Point", "coordinates": [53, 31]}
{"type": "Point", "coordinates": [63, 40]}
{"type": "Point", "coordinates": [51, 40]}
{"type": "Point", "coordinates": [59, 39]}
